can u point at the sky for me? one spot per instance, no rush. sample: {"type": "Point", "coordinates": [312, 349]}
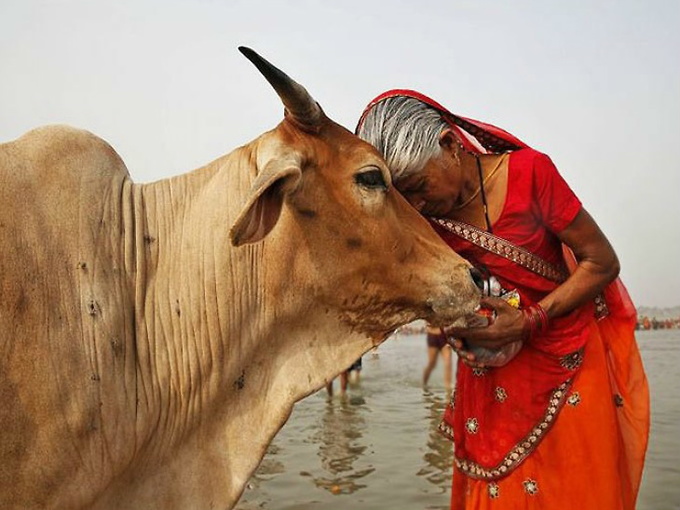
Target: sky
{"type": "Point", "coordinates": [593, 83]}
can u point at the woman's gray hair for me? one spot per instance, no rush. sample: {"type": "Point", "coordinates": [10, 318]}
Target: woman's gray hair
{"type": "Point", "coordinates": [405, 131]}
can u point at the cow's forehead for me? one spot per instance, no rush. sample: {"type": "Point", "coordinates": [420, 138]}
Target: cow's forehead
{"type": "Point", "coordinates": [332, 146]}
{"type": "Point", "coordinates": [353, 149]}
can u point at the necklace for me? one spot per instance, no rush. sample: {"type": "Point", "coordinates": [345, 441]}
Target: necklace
{"type": "Point", "coordinates": [482, 183]}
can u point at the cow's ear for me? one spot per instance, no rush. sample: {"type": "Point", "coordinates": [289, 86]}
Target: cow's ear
{"type": "Point", "coordinates": [263, 206]}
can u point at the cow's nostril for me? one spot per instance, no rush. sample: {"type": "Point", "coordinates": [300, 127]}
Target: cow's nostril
{"type": "Point", "coordinates": [477, 277]}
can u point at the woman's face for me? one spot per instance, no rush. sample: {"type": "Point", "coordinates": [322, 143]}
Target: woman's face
{"type": "Point", "coordinates": [435, 189]}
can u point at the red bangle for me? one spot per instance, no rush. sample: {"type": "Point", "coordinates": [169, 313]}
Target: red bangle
{"type": "Point", "coordinates": [542, 317]}
{"type": "Point", "coordinates": [536, 321]}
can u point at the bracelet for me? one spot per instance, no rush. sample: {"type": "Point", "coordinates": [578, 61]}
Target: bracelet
{"type": "Point", "coordinates": [536, 321]}
{"type": "Point", "coordinates": [543, 319]}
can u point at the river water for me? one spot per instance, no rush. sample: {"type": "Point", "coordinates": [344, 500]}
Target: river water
{"type": "Point", "coordinates": [377, 446]}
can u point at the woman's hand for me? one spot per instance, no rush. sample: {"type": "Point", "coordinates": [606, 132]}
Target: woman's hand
{"type": "Point", "coordinates": [507, 326]}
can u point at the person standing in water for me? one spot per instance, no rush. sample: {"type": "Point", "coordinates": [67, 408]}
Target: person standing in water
{"type": "Point", "coordinates": [437, 346]}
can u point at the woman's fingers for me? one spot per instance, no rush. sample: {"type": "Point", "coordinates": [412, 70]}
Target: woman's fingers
{"type": "Point", "coordinates": [466, 356]}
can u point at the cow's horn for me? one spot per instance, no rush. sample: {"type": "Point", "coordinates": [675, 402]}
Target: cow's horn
{"type": "Point", "coordinates": [299, 104]}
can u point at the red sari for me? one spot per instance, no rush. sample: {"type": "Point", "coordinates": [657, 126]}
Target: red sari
{"type": "Point", "coordinates": [565, 423]}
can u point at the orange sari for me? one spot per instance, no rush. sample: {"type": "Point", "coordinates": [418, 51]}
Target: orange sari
{"type": "Point", "coordinates": [593, 456]}
{"type": "Point", "coordinates": [591, 452]}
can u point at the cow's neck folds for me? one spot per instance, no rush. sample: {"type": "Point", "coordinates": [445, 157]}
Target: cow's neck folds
{"type": "Point", "coordinates": [195, 290]}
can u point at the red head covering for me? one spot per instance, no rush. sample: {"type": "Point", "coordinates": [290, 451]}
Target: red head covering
{"type": "Point", "coordinates": [476, 136]}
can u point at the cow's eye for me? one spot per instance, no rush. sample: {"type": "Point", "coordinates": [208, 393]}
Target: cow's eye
{"type": "Point", "coordinates": [371, 179]}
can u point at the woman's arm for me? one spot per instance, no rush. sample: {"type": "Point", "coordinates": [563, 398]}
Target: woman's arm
{"type": "Point", "coordinates": [597, 266]}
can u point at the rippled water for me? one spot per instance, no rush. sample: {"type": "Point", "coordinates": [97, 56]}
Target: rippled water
{"type": "Point", "coordinates": [661, 479]}
{"type": "Point", "coordinates": [377, 447]}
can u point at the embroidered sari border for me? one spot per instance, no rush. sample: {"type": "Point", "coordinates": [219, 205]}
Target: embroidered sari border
{"type": "Point", "coordinates": [523, 448]}
{"type": "Point", "coordinates": [503, 248]}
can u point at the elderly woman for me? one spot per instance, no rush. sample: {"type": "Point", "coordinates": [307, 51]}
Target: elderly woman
{"type": "Point", "coordinates": [551, 408]}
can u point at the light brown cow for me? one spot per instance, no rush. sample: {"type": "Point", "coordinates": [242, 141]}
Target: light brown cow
{"type": "Point", "coordinates": [154, 338]}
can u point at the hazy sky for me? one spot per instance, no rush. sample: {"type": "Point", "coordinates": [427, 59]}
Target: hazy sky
{"type": "Point", "coordinates": [595, 84]}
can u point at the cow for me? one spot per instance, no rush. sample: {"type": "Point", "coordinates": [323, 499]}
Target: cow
{"type": "Point", "coordinates": [155, 337]}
